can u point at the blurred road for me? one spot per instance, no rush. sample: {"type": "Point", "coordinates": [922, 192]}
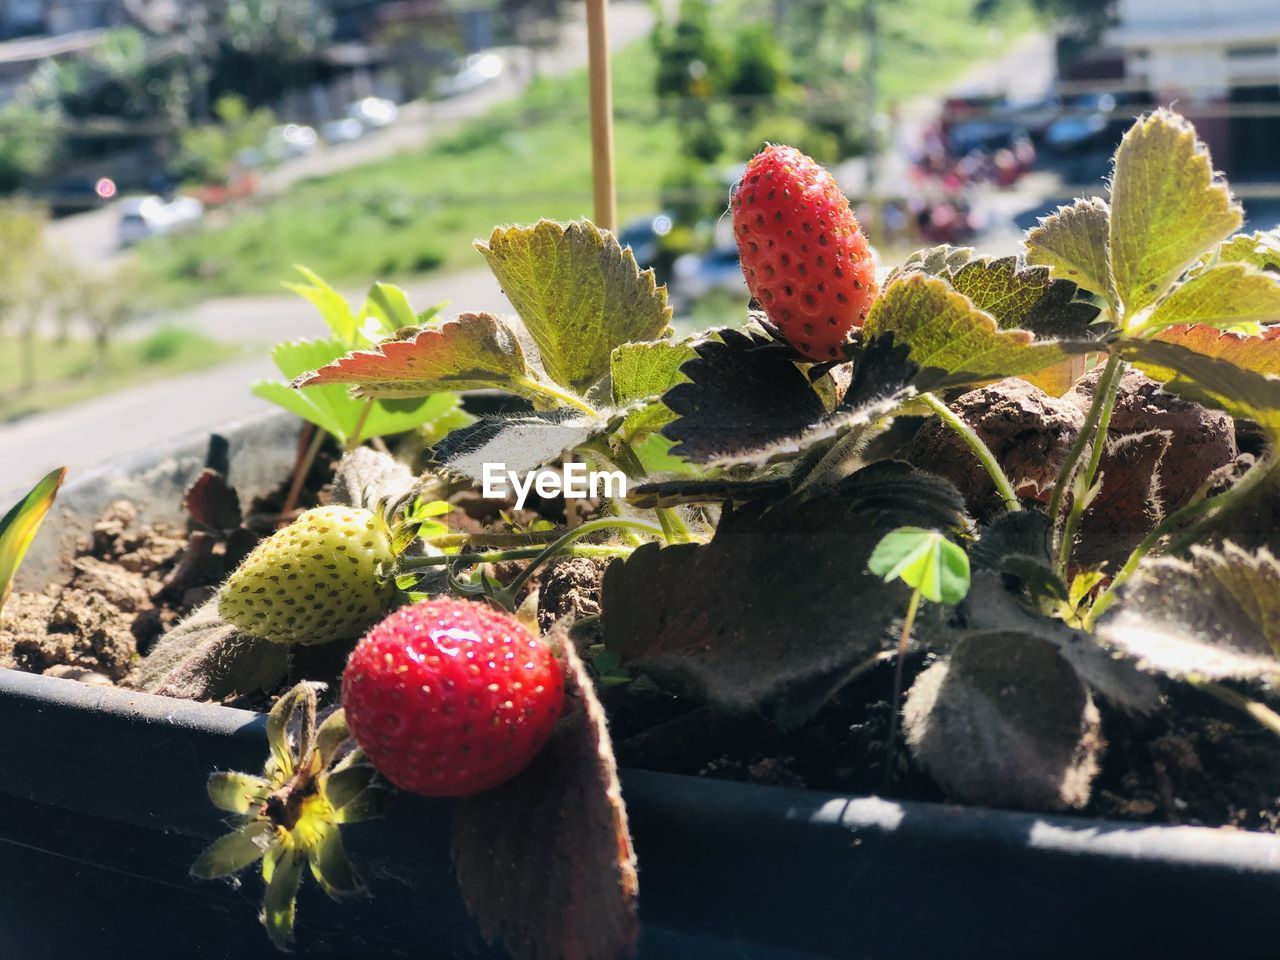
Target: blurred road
{"type": "Point", "coordinates": [90, 238]}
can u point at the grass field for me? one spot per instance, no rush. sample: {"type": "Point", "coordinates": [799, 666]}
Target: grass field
{"type": "Point", "coordinates": [418, 212]}
{"type": "Point", "coordinates": [70, 372]}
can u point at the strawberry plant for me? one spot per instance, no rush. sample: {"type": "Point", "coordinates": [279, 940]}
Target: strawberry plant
{"type": "Point", "coordinates": [1048, 447]}
{"type": "Point", "coordinates": [19, 525]}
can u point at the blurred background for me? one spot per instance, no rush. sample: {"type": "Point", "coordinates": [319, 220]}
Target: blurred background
{"type": "Point", "coordinates": [164, 164]}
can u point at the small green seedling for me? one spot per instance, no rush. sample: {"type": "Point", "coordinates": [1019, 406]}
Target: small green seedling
{"type": "Point", "coordinates": [19, 526]}
{"type": "Point", "coordinates": [936, 570]}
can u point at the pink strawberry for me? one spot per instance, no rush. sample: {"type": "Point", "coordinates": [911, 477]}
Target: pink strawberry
{"type": "Point", "coordinates": [803, 254]}
{"type": "Point", "coordinates": [451, 697]}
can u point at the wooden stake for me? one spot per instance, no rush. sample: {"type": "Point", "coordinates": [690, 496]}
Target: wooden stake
{"type": "Point", "coordinates": [602, 175]}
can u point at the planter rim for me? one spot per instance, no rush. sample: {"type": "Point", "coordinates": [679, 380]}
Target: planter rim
{"type": "Point", "coordinates": [1238, 850]}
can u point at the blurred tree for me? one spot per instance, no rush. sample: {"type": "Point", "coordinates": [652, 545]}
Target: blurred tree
{"type": "Point", "coordinates": [264, 47]}
{"type": "Point", "coordinates": [30, 137]}
{"type": "Point", "coordinates": [107, 303]}
{"type": "Point", "coordinates": [759, 63]}
{"type": "Point", "coordinates": [208, 152]}
{"type": "Point", "coordinates": [23, 264]}
{"type": "Point", "coordinates": [692, 63]}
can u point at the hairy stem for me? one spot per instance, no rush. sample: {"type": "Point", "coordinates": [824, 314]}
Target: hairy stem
{"type": "Point", "coordinates": [891, 745]}
{"type": "Point", "coordinates": [1092, 435]}
{"type": "Point", "coordinates": [513, 553]}
{"type": "Point", "coordinates": [1260, 712]}
{"type": "Point", "coordinates": [566, 541]}
{"type": "Point", "coordinates": [355, 439]}
{"type": "Point", "coordinates": [674, 529]}
{"type": "Point", "coordinates": [1249, 482]}
{"type": "Point", "coordinates": [555, 393]}
{"type": "Point", "coordinates": [979, 448]}
{"type": "Point", "coordinates": [452, 541]}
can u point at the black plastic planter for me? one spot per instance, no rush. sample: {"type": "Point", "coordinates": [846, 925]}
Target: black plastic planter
{"type": "Point", "coordinates": [102, 810]}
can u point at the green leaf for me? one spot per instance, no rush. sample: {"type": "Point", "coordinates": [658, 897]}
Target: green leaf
{"type": "Point", "coordinates": [951, 341]}
{"type": "Point", "coordinates": [237, 792]}
{"type": "Point", "coordinates": [1072, 243]}
{"type": "Point", "coordinates": [1259, 250]}
{"type": "Point", "coordinates": [280, 902]}
{"type": "Point", "coordinates": [1231, 297]}
{"type": "Point", "coordinates": [332, 305]}
{"type": "Point", "coordinates": [644, 371]}
{"type": "Point", "coordinates": [472, 351]}
{"type": "Point", "coordinates": [1167, 208]}
{"type": "Point", "coordinates": [18, 527]}
{"type": "Point", "coordinates": [1025, 297]}
{"type": "Point", "coordinates": [330, 866]}
{"type": "Point", "coordinates": [924, 560]}
{"type": "Point", "coordinates": [579, 294]}
{"type": "Point", "coordinates": [389, 306]}
{"type": "Point", "coordinates": [1216, 616]}
{"type": "Point", "coordinates": [233, 852]}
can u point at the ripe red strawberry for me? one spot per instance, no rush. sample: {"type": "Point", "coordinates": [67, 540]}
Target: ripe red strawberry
{"type": "Point", "coordinates": [451, 697]}
{"type": "Point", "coordinates": [803, 254]}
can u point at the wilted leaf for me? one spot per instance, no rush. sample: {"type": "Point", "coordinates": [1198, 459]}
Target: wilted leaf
{"type": "Point", "coordinates": [545, 861]}
{"type": "Point", "coordinates": [18, 527]}
{"type": "Point", "coordinates": [1209, 379]}
{"type": "Point", "coordinates": [924, 560]}
{"type": "Point", "coordinates": [204, 658]}
{"type": "Point", "coordinates": [812, 609]}
{"type": "Point", "coordinates": [952, 341]}
{"type": "Point", "coordinates": [742, 395]}
{"type": "Point", "coordinates": [579, 294]}
{"type": "Point", "coordinates": [1217, 616]}
{"type": "Point", "coordinates": [645, 371]}
{"type": "Point", "coordinates": [1259, 250]}
{"type": "Point", "coordinates": [1167, 207]}
{"type": "Point", "coordinates": [521, 443]}
{"type": "Point", "coordinates": [1228, 297]}
{"type": "Point", "coordinates": [473, 351]}
{"type": "Point", "coordinates": [1005, 721]}
{"type": "Point", "coordinates": [1072, 243]}
{"type": "Point", "coordinates": [365, 477]}
{"type": "Point", "coordinates": [212, 502]}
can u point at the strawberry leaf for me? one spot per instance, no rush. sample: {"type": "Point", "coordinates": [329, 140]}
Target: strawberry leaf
{"type": "Point", "coordinates": [1231, 297]}
{"type": "Point", "coordinates": [645, 371]}
{"type": "Point", "coordinates": [935, 261]}
{"type": "Point", "coordinates": [333, 306]}
{"type": "Point", "coordinates": [1005, 721]}
{"type": "Point", "coordinates": [18, 527]}
{"type": "Point", "coordinates": [1215, 616]}
{"type": "Point", "coordinates": [952, 341]}
{"type": "Point", "coordinates": [522, 442]}
{"type": "Point", "coordinates": [388, 306]}
{"type": "Point", "coordinates": [1259, 250]}
{"type": "Point", "coordinates": [1025, 297]}
{"type": "Point", "coordinates": [744, 394]}
{"type": "Point", "coordinates": [813, 609]}
{"type": "Point", "coordinates": [1072, 243]}
{"type": "Point", "coordinates": [212, 502]}
{"type": "Point", "coordinates": [1208, 378]}
{"type": "Point", "coordinates": [545, 861]}
{"type": "Point", "coordinates": [578, 292]}
{"type": "Point", "coordinates": [1167, 208]}
{"type": "Point", "coordinates": [473, 351]}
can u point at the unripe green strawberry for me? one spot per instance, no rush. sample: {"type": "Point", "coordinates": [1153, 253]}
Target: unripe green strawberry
{"type": "Point", "coordinates": [803, 254]}
{"type": "Point", "coordinates": [315, 581]}
{"type": "Point", "coordinates": [450, 697]}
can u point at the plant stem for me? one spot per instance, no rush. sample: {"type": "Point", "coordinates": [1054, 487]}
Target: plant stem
{"type": "Point", "coordinates": [1093, 433]}
{"type": "Point", "coordinates": [449, 541]}
{"type": "Point", "coordinates": [1256, 475]}
{"type": "Point", "coordinates": [300, 471]}
{"type": "Point", "coordinates": [979, 448]}
{"type": "Point", "coordinates": [891, 745]}
{"type": "Point", "coordinates": [354, 440]}
{"type": "Point", "coordinates": [560, 546]}
{"type": "Point", "coordinates": [555, 393]}
{"type": "Point", "coordinates": [674, 529]}
{"type": "Point", "coordinates": [1260, 712]}
{"type": "Point", "coordinates": [514, 553]}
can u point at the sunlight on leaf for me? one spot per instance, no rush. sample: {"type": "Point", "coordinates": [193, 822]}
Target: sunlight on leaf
{"type": "Point", "coordinates": [1072, 243]}
{"type": "Point", "coordinates": [389, 306]}
{"type": "Point", "coordinates": [579, 294]}
{"type": "Point", "coordinates": [1167, 207]}
{"type": "Point", "coordinates": [924, 560]}
{"type": "Point", "coordinates": [1229, 297]}
{"type": "Point", "coordinates": [332, 305]}
{"type": "Point", "coordinates": [1260, 250]}
{"type": "Point", "coordinates": [645, 371]}
{"type": "Point", "coordinates": [18, 527]}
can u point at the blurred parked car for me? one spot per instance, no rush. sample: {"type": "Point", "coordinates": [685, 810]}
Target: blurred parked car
{"type": "Point", "coordinates": [1094, 120]}
{"type": "Point", "coordinates": [644, 237]}
{"type": "Point", "coordinates": [153, 216]}
{"type": "Point", "coordinates": [287, 141]}
{"type": "Point", "coordinates": [373, 113]}
{"type": "Point", "coordinates": [342, 131]}
{"type": "Point", "coordinates": [476, 71]}
{"type": "Point", "coordinates": [694, 275]}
